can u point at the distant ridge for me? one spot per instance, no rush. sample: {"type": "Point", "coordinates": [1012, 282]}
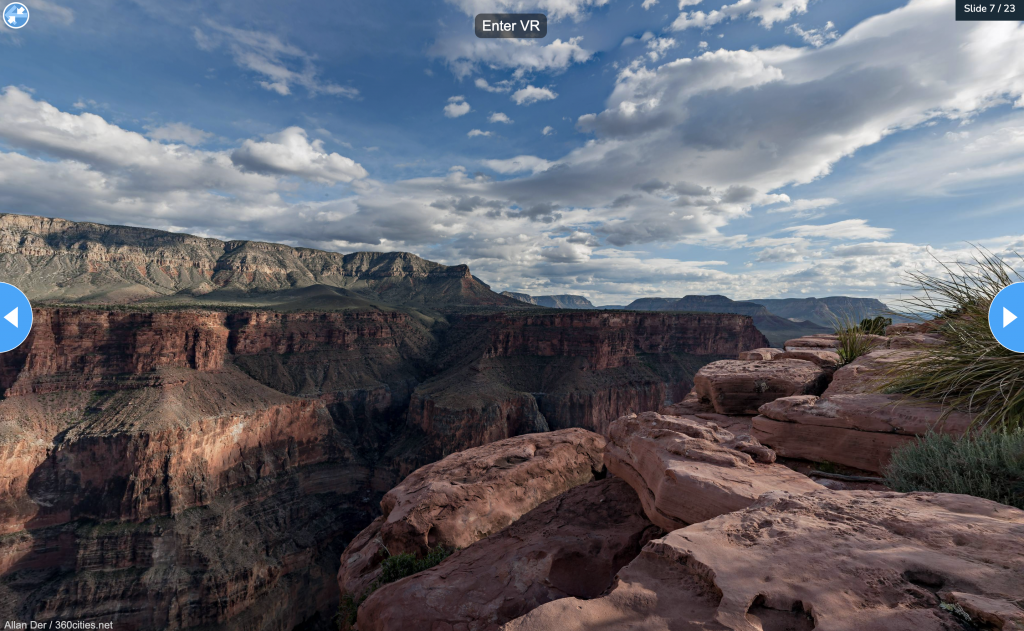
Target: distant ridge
{"type": "Point", "coordinates": [60, 261]}
{"type": "Point", "coordinates": [775, 328]}
{"type": "Point", "coordinates": [824, 311]}
{"type": "Point", "coordinates": [561, 301]}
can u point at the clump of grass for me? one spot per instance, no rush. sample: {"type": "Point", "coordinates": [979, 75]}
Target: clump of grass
{"type": "Point", "coordinates": [853, 342]}
{"type": "Point", "coordinates": [393, 568]}
{"type": "Point", "coordinates": [972, 372]}
{"type": "Point", "coordinates": [988, 464]}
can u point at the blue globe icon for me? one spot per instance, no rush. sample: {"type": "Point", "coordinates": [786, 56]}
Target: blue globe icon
{"type": "Point", "coordinates": [16, 15]}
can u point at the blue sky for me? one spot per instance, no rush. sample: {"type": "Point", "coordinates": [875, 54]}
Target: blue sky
{"type": "Point", "coordinates": [754, 148]}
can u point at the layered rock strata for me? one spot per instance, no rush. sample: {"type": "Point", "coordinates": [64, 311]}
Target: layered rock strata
{"type": "Point", "coordinates": [741, 387]}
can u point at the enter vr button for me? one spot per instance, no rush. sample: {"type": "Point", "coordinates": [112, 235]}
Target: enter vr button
{"type": "Point", "coordinates": [512, 25]}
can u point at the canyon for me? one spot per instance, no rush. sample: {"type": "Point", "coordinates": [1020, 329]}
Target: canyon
{"type": "Point", "coordinates": [195, 429]}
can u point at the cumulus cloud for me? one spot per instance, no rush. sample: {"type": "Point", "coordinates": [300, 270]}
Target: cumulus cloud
{"type": "Point", "coordinates": [816, 37]}
{"type": "Point", "coordinates": [547, 131]}
{"type": "Point", "coordinates": [847, 229]}
{"type": "Point", "coordinates": [554, 9]}
{"type": "Point", "coordinates": [473, 133]}
{"type": "Point", "coordinates": [531, 94]}
{"type": "Point", "coordinates": [499, 117]}
{"type": "Point", "coordinates": [769, 12]}
{"type": "Point", "coordinates": [457, 106]}
{"type": "Point", "coordinates": [290, 153]}
{"type": "Point", "coordinates": [501, 86]}
{"type": "Point", "coordinates": [518, 164]}
{"type": "Point", "coordinates": [178, 132]}
{"type": "Point", "coordinates": [465, 54]}
{"type": "Point", "coordinates": [282, 66]}
{"type": "Point", "coordinates": [657, 47]}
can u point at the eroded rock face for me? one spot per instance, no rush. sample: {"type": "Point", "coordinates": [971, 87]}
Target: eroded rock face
{"type": "Point", "coordinates": [470, 495]}
{"type": "Point", "coordinates": [856, 430]}
{"type": "Point", "coordinates": [569, 546]}
{"type": "Point", "coordinates": [687, 470]}
{"type": "Point", "coordinates": [828, 360]}
{"type": "Point", "coordinates": [740, 387]}
{"type": "Point", "coordinates": [838, 560]}
{"type": "Point", "coordinates": [868, 373]}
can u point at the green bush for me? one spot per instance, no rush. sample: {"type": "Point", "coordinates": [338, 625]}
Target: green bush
{"type": "Point", "coordinates": [971, 371]}
{"type": "Point", "coordinates": [393, 568]}
{"type": "Point", "coordinates": [875, 326]}
{"type": "Point", "coordinates": [987, 464]}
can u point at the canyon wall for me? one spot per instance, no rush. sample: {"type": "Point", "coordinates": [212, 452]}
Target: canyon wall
{"type": "Point", "coordinates": [204, 469]}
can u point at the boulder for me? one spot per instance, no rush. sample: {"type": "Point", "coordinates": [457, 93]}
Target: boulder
{"type": "Point", "coordinates": [836, 560]}
{"type": "Point", "coordinates": [916, 340]}
{"type": "Point", "coordinates": [826, 359]}
{"type": "Point", "coordinates": [910, 328]}
{"type": "Point", "coordinates": [761, 353]}
{"type": "Point", "coordinates": [740, 387]}
{"type": "Point", "coordinates": [856, 430]}
{"type": "Point", "coordinates": [569, 546]}
{"type": "Point", "coordinates": [868, 372]}
{"type": "Point", "coordinates": [688, 470]}
{"type": "Point", "coordinates": [469, 495]}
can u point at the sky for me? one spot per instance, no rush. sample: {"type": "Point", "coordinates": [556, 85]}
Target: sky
{"type": "Point", "coordinates": [751, 148]}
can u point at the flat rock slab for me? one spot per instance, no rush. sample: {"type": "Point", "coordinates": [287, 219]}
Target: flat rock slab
{"type": "Point", "coordinates": [916, 340]}
{"type": "Point", "coordinates": [856, 430]}
{"type": "Point", "coordinates": [760, 353]}
{"type": "Point", "coordinates": [829, 360]}
{"type": "Point", "coordinates": [836, 560]}
{"type": "Point", "coordinates": [569, 546]}
{"type": "Point", "coordinates": [818, 342]}
{"type": "Point", "coordinates": [469, 495]}
{"type": "Point", "coordinates": [687, 470]}
{"type": "Point", "coordinates": [741, 387]}
{"type": "Point", "coordinates": [868, 373]}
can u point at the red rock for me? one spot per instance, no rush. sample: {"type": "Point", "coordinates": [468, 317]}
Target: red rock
{"type": "Point", "coordinates": [760, 353]}
{"type": "Point", "coordinates": [826, 359]}
{"type": "Point", "coordinates": [740, 387]}
{"type": "Point", "coordinates": [838, 560]}
{"type": "Point", "coordinates": [997, 613]}
{"type": "Point", "coordinates": [815, 342]}
{"type": "Point", "coordinates": [916, 340]}
{"type": "Point", "coordinates": [868, 373]}
{"type": "Point", "coordinates": [910, 328]}
{"type": "Point", "coordinates": [686, 470]}
{"type": "Point", "coordinates": [569, 546]}
{"type": "Point", "coordinates": [470, 495]}
{"type": "Point", "coordinates": [856, 430]}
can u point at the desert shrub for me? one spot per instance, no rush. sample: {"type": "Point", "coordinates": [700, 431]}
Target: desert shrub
{"type": "Point", "coordinates": [875, 326]}
{"type": "Point", "coordinates": [393, 568]}
{"type": "Point", "coordinates": [986, 463]}
{"type": "Point", "coordinates": [971, 371]}
{"type": "Point", "coordinates": [852, 341]}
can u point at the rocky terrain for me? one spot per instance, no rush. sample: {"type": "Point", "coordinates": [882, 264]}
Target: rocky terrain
{"type": "Point", "coordinates": [752, 544]}
{"type": "Point", "coordinates": [199, 454]}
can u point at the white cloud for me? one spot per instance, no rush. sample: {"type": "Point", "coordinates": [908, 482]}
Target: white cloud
{"type": "Point", "coordinates": [477, 132]}
{"type": "Point", "coordinates": [648, 4]}
{"type": "Point", "coordinates": [847, 229]}
{"type": "Point", "coordinates": [554, 9]}
{"type": "Point", "coordinates": [466, 54]}
{"type": "Point", "coordinates": [816, 37]}
{"type": "Point", "coordinates": [658, 46]}
{"type": "Point", "coordinates": [801, 207]}
{"type": "Point", "coordinates": [58, 13]}
{"type": "Point", "coordinates": [768, 11]}
{"type": "Point", "coordinates": [702, 45]}
{"type": "Point", "coordinates": [290, 153]}
{"type": "Point", "coordinates": [547, 131]}
{"type": "Point", "coordinates": [178, 132]}
{"type": "Point", "coordinates": [457, 106]}
{"type": "Point", "coordinates": [501, 86]}
{"type": "Point", "coordinates": [531, 94]}
{"type": "Point", "coordinates": [499, 117]}
{"type": "Point", "coordinates": [518, 164]}
{"type": "Point", "coordinates": [267, 56]}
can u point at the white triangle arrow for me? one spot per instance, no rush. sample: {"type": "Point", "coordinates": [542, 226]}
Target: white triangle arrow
{"type": "Point", "coordinates": [12, 317]}
{"type": "Point", "coordinates": [1007, 317]}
